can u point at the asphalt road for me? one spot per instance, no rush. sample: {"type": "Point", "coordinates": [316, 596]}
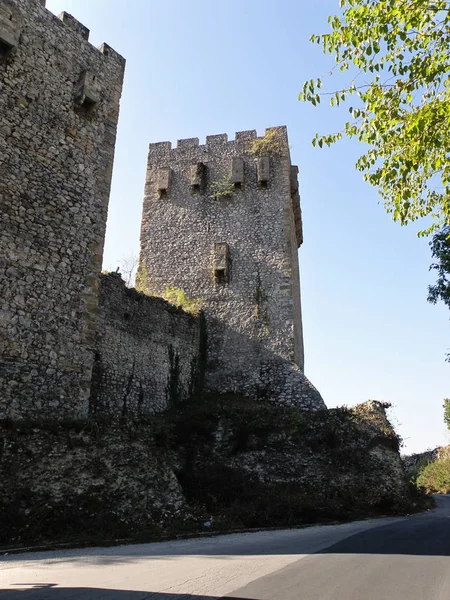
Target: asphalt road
{"type": "Point", "coordinates": [388, 559]}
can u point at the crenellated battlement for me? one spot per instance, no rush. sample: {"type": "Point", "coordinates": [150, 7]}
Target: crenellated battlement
{"type": "Point", "coordinates": [82, 31]}
{"type": "Point", "coordinates": [74, 24]}
{"type": "Point", "coordinates": [216, 142]}
{"type": "Point", "coordinates": [13, 13]}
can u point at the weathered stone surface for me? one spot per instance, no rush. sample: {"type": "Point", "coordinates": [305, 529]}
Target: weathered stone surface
{"type": "Point", "coordinates": [148, 353]}
{"type": "Point", "coordinates": [85, 481]}
{"type": "Point", "coordinates": [11, 22]}
{"type": "Point", "coordinates": [246, 463]}
{"type": "Point", "coordinates": [256, 464]}
{"type": "Point", "coordinates": [55, 170]}
{"type": "Point", "coordinates": [252, 301]}
{"type": "Point", "coordinates": [263, 164]}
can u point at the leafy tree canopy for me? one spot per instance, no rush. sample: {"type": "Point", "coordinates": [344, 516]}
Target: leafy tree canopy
{"type": "Point", "coordinates": [446, 407]}
{"type": "Point", "coordinates": [397, 56]}
{"type": "Point", "coordinates": [440, 249]}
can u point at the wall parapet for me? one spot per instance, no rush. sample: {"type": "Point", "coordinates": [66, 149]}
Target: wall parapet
{"type": "Point", "coordinates": [241, 140]}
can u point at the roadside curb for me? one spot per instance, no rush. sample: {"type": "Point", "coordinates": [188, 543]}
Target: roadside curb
{"type": "Point", "coordinates": [48, 547]}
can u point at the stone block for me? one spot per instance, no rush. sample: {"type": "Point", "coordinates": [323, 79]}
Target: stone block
{"type": "Point", "coordinates": [198, 176]}
{"type": "Point", "coordinates": [75, 25]}
{"type": "Point", "coordinates": [10, 25]}
{"type": "Point", "coordinates": [237, 170]}
{"type": "Point", "coordinates": [164, 181]}
{"type": "Point", "coordinates": [88, 91]}
{"type": "Point", "coordinates": [263, 166]}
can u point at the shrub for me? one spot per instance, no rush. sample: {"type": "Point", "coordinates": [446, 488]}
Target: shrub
{"type": "Point", "coordinates": [141, 283]}
{"type": "Point", "coordinates": [222, 190]}
{"type": "Point", "coordinates": [435, 477]}
{"type": "Point", "coordinates": [271, 143]}
{"type": "Point", "coordinates": [177, 297]}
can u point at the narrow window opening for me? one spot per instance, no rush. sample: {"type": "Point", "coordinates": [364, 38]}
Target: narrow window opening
{"type": "Point", "coordinates": [195, 188]}
{"type": "Point", "coordinates": [127, 316]}
{"type": "Point", "coordinates": [221, 265]}
{"type": "Point", "coordinates": [162, 193]}
{"type": "Point", "coordinates": [86, 107]}
{"type": "Point", "coordinates": [238, 185]}
{"type": "Point", "coordinates": [263, 185]}
{"type": "Point", "coordinates": [88, 103]}
{"type": "Point", "coordinates": [220, 276]}
{"type": "Point", "coordinates": [4, 49]}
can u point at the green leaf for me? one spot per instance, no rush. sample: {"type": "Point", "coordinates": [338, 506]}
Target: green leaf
{"type": "Point", "coordinates": [401, 55]}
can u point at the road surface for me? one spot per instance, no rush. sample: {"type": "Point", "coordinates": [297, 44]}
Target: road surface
{"type": "Point", "coordinates": [386, 559]}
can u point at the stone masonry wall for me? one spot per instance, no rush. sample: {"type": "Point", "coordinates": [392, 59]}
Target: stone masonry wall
{"type": "Point", "coordinates": [247, 463]}
{"type": "Point", "coordinates": [237, 252]}
{"type": "Point", "coordinates": [59, 105]}
{"type": "Point", "coordinates": [148, 353]}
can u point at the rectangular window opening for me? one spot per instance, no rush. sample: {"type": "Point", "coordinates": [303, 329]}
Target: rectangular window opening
{"type": "Point", "coordinates": [220, 276]}
{"type": "Point", "coordinates": [195, 188]}
{"type": "Point", "coordinates": [263, 185]}
{"type": "Point", "coordinates": [86, 108]}
{"type": "Point", "coordinates": [238, 185]}
{"type": "Point", "coordinates": [4, 49]}
{"type": "Point", "coordinates": [88, 103]}
{"type": "Point", "coordinates": [162, 193]}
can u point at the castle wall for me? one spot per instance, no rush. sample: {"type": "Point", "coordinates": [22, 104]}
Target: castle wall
{"type": "Point", "coordinates": [59, 105]}
{"type": "Point", "coordinates": [248, 463]}
{"type": "Point", "coordinates": [236, 252]}
{"type": "Point", "coordinates": [147, 354]}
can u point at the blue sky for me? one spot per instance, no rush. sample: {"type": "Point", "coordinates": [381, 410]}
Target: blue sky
{"type": "Point", "coordinates": [203, 67]}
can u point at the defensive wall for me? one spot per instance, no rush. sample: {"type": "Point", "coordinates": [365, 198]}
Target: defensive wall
{"type": "Point", "coordinates": [149, 354]}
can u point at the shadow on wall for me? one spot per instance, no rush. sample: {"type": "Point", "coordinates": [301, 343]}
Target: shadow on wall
{"type": "Point", "coordinates": [238, 364]}
{"type": "Point", "coordinates": [49, 591]}
{"type": "Point", "coordinates": [151, 355]}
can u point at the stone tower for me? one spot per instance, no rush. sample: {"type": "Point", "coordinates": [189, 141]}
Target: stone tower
{"type": "Point", "coordinates": [222, 222]}
{"type": "Point", "coordinates": [59, 106]}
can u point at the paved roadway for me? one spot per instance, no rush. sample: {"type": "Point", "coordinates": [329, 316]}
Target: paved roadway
{"type": "Point", "coordinates": [387, 559]}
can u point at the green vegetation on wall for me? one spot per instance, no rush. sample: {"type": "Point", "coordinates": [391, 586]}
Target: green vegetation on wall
{"type": "Point", "coordinates": [271, 143]}
{"type": "Point", "coordinates": [177, 297]}
{"type": "Point", "coordinates": [142, 278]}
{"type": "Point", "coordinates": [222, 190]}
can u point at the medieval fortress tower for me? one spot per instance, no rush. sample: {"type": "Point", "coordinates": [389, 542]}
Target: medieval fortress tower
{"type": "Point", "coordinates": [59, 107]}
{"type": "Point", "coordinates": [221, 221]}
